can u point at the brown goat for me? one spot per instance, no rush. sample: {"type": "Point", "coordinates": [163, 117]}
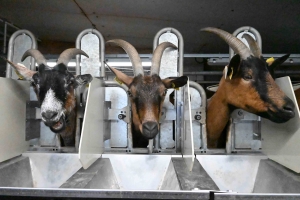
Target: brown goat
{"type": "Point", "coordinates": [147, 93]}
{"type": "Point", "coordinates": [246, 84]}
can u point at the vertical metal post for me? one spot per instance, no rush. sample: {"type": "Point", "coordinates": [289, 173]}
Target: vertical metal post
{"type": "Point", "coordinates": [203, 114]}
{"type": "Point", "coordinates": [78, 72]}
{"type": "Point", "coordinates": [101, 50]}
{"type": "Point", "coordinates": [4, 38]}
{"type": "Point", "coordinates": [11, 49]}
{"type": "Point", "coordinates": [246, 29]}
{"type": "Point", "coordinates": [179, 94]}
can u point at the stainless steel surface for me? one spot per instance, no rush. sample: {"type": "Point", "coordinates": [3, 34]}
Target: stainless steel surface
{"type": "Point", "coordinates": [16, 172]}
{"type": "Point", "coordinates": [275, 178]}
{"type": "Point", "coordinates": [51, 170]}
{"type": "Point", "coordinates": [129, 132]}
{"type": "Point", "coordinates": [222, 196]}
{"type": "Point", "coordinates": [245, 131]}
{"type": "Point", "coordinates": [105, 194]}
{"type": "Point", "coordinates": [280, 142]}
{"type": "Point", "coordinates": [13, 97]}
{"type": "Point", "coordinates": [119, 102]}
{"type": "Point", "coordinates": [232, 172]}
{"type": "Point", "coordinates": [99, 175]}
{"type": "Point", "coordinates": [170, 181]}
{"type": "Point", "coordinates": [91, 144]}
{"type": "Point", "coordinates": [139, 172]}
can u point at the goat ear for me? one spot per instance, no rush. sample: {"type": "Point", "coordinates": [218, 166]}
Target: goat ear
{"type": "Point", "coordinates": [272, 63]}
{"type": "Point", "coordinates": [232, 68]}
{"type": "Point", "coordinates": [121, 77]}
{"type": "Point", "coordinates": [83, 79]}
{"type": "Point", "coordinates": [175, 82]}
{"type": "Point", "coordinates": [21, 70]}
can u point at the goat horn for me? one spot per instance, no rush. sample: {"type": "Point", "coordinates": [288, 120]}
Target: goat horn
{"type": "Point", "coordinates": [253, 45]}
{"type": "Point", "coordinates": [36, 54]}
{"type": "Point", "coordinates": [237, 45]}
{"type": "Point", "coordinates": [133, 55]}
{"type": "Point", "coordinates": [21, 70]}
{"type": "Point", "coordinates": [68, 54]}
{"type": "Point", "coordinates": [158, 52]}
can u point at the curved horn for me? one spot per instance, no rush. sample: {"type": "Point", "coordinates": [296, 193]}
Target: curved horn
{"type": "Point", "coordinates": [36, 54]}
{"type": "Point", "coordinates": [237, 45]}
{"type": "Point", "coordinates": [21, 70]}
{"type": "Point", "coordinates": [253, 45]}
{"type": "Point", "coordinates": [68, 54]}
{"type": "Point", "coordinates": [156, 58]}
{"type": "Point", "coordinates": [133, 55]}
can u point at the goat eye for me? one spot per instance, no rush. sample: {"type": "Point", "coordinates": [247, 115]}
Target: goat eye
{"type": "Point", "coordinates": [248, 77]}
{"type": "Point", "coordinates": [165, 92]}
{"type": "Point", "coordinates": [129, 93]}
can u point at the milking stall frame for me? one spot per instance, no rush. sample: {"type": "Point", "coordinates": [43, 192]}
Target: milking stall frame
{"type": "Point", "coordinates": [259, 160]}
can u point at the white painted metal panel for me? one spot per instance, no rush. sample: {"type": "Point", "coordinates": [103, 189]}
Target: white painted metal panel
{"type": "Point", "coordinates": [188, 140]}
{"type": "Point", "coordinates": [280, 142]}
{"type": "Point", "coordinates": [91, 142]}
{"type": "Point", "coordinates": [13, 97]}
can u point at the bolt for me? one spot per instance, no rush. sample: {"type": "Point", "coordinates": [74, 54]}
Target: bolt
{"type": "Point", "coordinates": [240, 113]}
{"type": "Point", "coordinates": [197, 117]}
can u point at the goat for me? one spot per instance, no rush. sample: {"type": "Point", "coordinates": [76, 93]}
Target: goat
{"type": "Point", "coordinates": [147, 93]}
{"type": "Point", "coordinates": [54, 87]}
{"type": "Point", "coordinates": [247, 84]}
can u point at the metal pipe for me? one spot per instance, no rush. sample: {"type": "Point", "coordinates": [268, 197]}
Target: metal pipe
{"type": "Point", "coordinates": [180, 45]}
{"type": "Point", "coordinates": [251, 30]}
{"type": "Point", "coordinates": [78, 72]}
{"type": "Point", "coordinates": [200, 89]}
{"type": "Point", "coordinates": [9, 24]}
{"type": "Point", "coordinates": [101, 50]}
{"type": "Point", "coordinates": [179, 94]}
{"type": "Point", "coordinates": [11, 49]}
{"type": "Point", "coordinates": [4, 37]}
{"type": "Point", "coordinates": [202, 55]}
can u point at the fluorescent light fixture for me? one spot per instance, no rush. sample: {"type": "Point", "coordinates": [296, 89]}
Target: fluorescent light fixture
{"type": "Point", "coordinates": [113, 64]}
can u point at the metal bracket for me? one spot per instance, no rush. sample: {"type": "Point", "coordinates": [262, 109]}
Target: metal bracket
{"type": "Point", "coordinates": [197, 115]}
{"type": "Point", "coordinates": [167, 115]}
{"type": "Point", "coordinates": [32, 124]}
{"type": "Point", "coordinates": [119, 114]}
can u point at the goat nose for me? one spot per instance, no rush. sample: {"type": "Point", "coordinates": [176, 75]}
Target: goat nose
{"type": "Point", "coordinates": [289, 107]}
{"type": "Point", "coordinates": [150, 129]}
{"type": "Point", "coordinates": [48, 115]}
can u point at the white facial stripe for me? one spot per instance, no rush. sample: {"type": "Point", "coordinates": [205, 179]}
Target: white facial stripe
{"type": "Point", "coordinates": [51, 103]}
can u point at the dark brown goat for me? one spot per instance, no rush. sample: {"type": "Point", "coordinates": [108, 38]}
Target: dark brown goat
{"type": "Point", "coordinates": [246, 84]}
{"type": "Point", "coordinates": [147, 93]}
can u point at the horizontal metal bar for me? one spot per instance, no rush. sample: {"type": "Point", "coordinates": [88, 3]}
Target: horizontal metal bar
{"type": "Point", "coordinates": [209, 55]}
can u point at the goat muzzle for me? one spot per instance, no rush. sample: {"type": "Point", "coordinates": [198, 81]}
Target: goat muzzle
{"type": "Point", "coordinates": [150, 129]}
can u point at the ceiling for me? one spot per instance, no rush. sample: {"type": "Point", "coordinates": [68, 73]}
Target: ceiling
{"type": "Point", "coordinates": [58, 22]}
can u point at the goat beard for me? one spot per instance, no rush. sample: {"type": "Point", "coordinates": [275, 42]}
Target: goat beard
{"type": "Point", "coordinates": [59, 126]}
